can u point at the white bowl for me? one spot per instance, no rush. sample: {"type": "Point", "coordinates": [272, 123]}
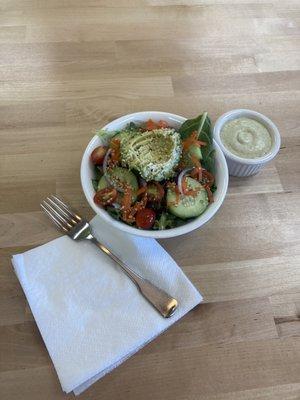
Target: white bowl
{"type": "Point", "coordinates": [87, 174]}
{"type": "Point", "coordinates": [239, 166]}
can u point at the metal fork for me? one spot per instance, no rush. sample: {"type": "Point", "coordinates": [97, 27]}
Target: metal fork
{"type": "Point", "coordinates": [77, 229]}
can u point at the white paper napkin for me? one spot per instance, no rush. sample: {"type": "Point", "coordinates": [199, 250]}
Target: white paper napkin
{"type": "Point", "coordinates": [90, 315]}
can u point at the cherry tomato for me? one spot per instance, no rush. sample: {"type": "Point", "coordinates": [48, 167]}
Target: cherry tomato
{"type": "Point", "coordinates": [106, 196]}
{"type": "Point", "coordinates": [98, 155]}
{"type": "Point", "coordinates": [145, 218]}
{"type": "Point", "coordinates": [155, 192]}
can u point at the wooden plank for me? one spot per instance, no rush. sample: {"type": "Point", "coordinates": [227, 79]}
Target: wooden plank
{"type": "Point", "coordinates": [199, 327]}
{"type": "Point", "coordinates": [30, 383]}
{"type": "Point", "coordinates": [16, 229]}
{"type": "Point", "coordinates": [11, 34]}
{"type": "Point", "coordinates": [31, 114]}
{"type": "Point", "coordinates": [22, 347]}
{"type": "Point", "coordinates": [81, 89]}
{"type": "Point", "coordinates": [205, 370]}
{"type": "Point", "coordinates": [286, 310]}
{"type": "Point", "coordinates": [249, 83]}
{"type": "Point", "coordinates": [246, 279]}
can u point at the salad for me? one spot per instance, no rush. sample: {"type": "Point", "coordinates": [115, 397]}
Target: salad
{"type": "Point", "coordinates": [152, 176]}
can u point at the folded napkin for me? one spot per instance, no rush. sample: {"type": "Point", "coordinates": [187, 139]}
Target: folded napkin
{"type": "Point", "coordinates": [90, 315]}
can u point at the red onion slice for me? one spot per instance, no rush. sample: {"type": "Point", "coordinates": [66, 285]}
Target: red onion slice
{"type": "Point", "coordinates": [142, 182]}
{"type": "Point", "coordinates": [105, 161]}
{"type": "Point", "coordinates": [180, 177]}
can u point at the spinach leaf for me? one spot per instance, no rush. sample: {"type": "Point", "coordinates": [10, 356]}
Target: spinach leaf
{"type": "Point", "coordinates": [189, 126]}
{"type": "Point", "coordinates": [97, 172]}
{"type": "Point", "coordinates": [202, 125]}
{"type": "Point", "coordinates": [209, 163]}
{"type": "Point", "coordinates": [95, 184]}
{"type": "Point", "coordinates": [114, 213]}
{"type": "Point", "coordinates": [132, 127]}
{"type": "Point", "coordinates": [213, 188]}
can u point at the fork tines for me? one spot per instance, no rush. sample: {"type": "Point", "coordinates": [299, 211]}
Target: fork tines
{"type": "Point", "coordinates": [60, 213]}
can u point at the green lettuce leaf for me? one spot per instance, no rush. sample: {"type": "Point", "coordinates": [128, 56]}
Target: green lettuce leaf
{"type": "Point", "coordinates": [106, 136]}
{"type": "Point", "coordinates": [167, 221]}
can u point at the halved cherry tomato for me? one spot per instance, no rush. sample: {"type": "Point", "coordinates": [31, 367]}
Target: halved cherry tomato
{"type": "Point", "coordinates": [106, 196]}
{"type": "Point", "coordinates": [145, 218]}
{"type": "Point", "coordinates": [155, 192]}
{"type": "Point", "coordinates": [98, 155]}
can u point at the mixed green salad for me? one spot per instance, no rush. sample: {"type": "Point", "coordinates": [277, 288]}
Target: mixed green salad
{"type": "Point", "coordinates": [152, 176]}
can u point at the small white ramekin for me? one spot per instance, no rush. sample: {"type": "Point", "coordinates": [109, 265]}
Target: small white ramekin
{"type": "Point", "coordinates": [238, 166]}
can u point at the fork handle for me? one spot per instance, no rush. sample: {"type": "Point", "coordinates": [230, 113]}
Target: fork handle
{"type": "Point", "coordinates": [164, 303]}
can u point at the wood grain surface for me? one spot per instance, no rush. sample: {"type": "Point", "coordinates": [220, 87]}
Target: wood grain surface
{"type": "Point", "coordinates": [70, 66]}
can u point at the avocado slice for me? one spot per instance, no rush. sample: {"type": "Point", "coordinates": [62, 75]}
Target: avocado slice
{"type": "Point", "coordinates": [188, 206]}
{"type": "Point", "coordinates": [154, 154]}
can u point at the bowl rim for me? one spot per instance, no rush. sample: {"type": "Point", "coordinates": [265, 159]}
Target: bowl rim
{"type": "Point", "coordinates": [243, 112]}
{"type": "Point", "coordinates": [167, 233]}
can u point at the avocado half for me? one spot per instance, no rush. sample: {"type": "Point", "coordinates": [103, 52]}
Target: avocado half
{"type": "Point", "coordinates": [154, 154]}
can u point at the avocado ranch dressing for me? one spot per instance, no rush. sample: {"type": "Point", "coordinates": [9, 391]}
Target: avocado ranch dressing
{"type": "Point", "coordinates": [246, 138]}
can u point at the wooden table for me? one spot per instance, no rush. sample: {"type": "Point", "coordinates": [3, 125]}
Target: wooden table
{"type": "Point", "coordinates": [70, 66]}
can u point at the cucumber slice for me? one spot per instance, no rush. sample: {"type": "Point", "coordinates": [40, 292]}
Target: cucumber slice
{"type": "Point", "coordinates": [188, 206]}
{"type": "Point", "coordinates": [122, 177]}
{"type": "Point", "coordinates": [195, 151]}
